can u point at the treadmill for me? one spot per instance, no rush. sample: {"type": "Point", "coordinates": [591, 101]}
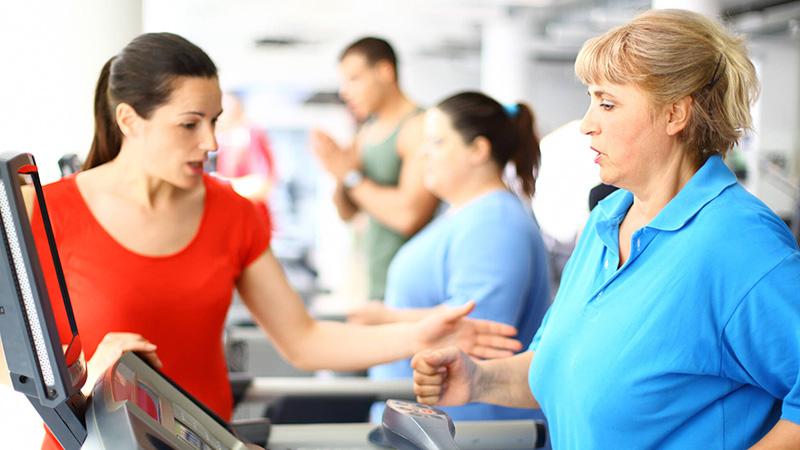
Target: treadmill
{"type": "Point", "coordinates": [135, 406]}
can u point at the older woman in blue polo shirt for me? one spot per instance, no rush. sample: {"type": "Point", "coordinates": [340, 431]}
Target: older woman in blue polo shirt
{"type": "Point", "coordinates": [677, 324]}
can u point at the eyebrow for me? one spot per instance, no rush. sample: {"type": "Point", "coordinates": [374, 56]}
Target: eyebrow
{"type": "Point", "coordinates": [198, 113]}
{"type": "Point", "coordinates": [600, 94]}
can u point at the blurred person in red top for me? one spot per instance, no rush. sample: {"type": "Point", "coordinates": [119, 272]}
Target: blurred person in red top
{"type": "Point", "coordinates": [152, 248]}
{"type": "Point", "coordinates": [244, 156]}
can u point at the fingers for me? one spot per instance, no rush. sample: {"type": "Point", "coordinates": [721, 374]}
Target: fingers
{"type": "Point", "coordinates": [321, 141]}
{"type": "Point", "coordinates": [453, 314]}
{"type": "Point", "coordinates": [429, 394]}
{"type": "Point", "coordinates": [492, 347]}
{"type": "Point", "coordinates": [492, 327]}
{"type": "Point", "coordinates": [426, 380]}
{"type": "Point", "coordinates": [144, 349]}
{"type": "Point", "coordinates": [428, 400]}
{"type": "Point", "coordinates": [428, 388]}
{"type": "Point", "coordinates": [489, 352]}
{"type": "Point", "coordinates": [498, 342]}
{"type": "Point", "coordinates": [152, 358]}
{"type": "Point", "coordinates": [119, 343]}
{"type": "Point", "coordinates": [430, 362]}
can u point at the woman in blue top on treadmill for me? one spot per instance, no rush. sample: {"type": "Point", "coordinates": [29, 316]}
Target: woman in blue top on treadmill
{"type": "Point", "coordinates": [486, 247]}
{"type": "Point", "coordinates": [677, 323]}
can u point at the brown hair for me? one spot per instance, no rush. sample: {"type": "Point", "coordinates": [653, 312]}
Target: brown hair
{"type": "Point", "coordinates": [509, 130]}
{"type": "Point", "coordinates": [671, 54]}
{"type": "Point", "coordinates": [141, 75]}
{"type": "Point", "coordinates": [373, 49]}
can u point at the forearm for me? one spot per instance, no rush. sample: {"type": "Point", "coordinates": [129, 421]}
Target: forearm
{"type": "Point", "coordinates": [785, 435]}
{"type": "Point", "coordinates": [391, 207]}
{"type": "Point", "coordinates": [341, 346]}
{"type": "Point", "coordinates": [505, 382]}
{"type": "Point", "coordinates": [407, 314]}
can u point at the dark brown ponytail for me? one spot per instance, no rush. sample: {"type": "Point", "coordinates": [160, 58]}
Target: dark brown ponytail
{"type": "Point", "coordinates": [527, 156]}
{"type": "Point", "coordinates": [107, 136]}
{"type": "Point", "coordinates": [510, 131]}
{"type": "Point", "coordinates": [142, 76]}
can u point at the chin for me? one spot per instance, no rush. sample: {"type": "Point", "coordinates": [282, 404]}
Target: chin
{"type": "Point", "coordinates": [188, 182]}
{"type": "Point", "coordinates": [608, 178]}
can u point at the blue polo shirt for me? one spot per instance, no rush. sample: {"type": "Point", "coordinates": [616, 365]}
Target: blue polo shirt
{"type": "Point", "coordinates": [693, 343]}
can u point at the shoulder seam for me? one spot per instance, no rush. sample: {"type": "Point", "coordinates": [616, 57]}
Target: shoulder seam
{"type": "Point", "coordinates": [741, 301]}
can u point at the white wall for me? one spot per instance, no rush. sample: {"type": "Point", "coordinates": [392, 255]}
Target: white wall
{"type": "Point", "coordinates": [52, 52]}
{"type": "Point", "coordinates": [777, 127]}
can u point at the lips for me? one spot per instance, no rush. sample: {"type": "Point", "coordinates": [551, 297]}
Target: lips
{"type": "Point", "coordinates": [599, 154]}
{"type": "Point", "coordinates": [196, 166]}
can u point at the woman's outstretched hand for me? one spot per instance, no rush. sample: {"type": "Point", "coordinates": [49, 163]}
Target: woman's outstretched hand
{"type": "Point", "coordinates": [480, 338]}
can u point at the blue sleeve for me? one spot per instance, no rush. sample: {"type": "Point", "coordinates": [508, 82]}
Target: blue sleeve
{"type": "Point", "coordinates": [538, 336]}
{"type": "Point", "coordinates": [761, 341]}
{"type": "Point", "coordinates": [490, 261]}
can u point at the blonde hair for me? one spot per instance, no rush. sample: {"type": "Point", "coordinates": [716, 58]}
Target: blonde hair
{"type": "Point", "coordinates": [671, 54]}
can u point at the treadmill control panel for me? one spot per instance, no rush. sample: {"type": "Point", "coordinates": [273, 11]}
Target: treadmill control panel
{"type": "Point", "coordinates": [412, 426]}
{"type": "Point", "coordinates": [147, 410]}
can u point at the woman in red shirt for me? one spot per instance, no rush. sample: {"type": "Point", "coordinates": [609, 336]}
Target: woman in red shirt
{"type": "Point", "coordinates": [152, 248]}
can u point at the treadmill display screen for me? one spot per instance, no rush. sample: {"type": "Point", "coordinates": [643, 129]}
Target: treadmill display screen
{"type": "Point", "coordinates": [191, 431]}
{"type": "Point", "coordinates": [147, 400]}
{"type": "Point", "coordinates": [189, 436]}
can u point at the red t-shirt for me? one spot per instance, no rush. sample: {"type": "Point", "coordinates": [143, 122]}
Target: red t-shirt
{"type": "Point", "coordinates": [178, 302]}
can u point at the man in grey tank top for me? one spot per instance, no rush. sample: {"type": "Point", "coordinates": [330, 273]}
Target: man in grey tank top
{"type": "Point", "coordinates": [382, 173]}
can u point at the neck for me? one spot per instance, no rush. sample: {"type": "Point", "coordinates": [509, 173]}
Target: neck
{"type": "Point", "coordinates": [474, 187]}
{"type": "Point", "coordinates": [663, 185]}
{"type": "Point", "coordinates": [128, 179]}
{"type": "Point", "coordinates": [394, 106]}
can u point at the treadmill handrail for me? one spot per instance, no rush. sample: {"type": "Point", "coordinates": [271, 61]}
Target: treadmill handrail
{"type": "Point", "coordinates": [267, 388]}
{"type": "Point", "coordinates": [470, 435]}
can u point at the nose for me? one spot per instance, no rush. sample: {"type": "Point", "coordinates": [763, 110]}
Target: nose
{"type": "Point", "coordinates": [588, 124]}
{"type": "Point", "coordinates": [209, 141]}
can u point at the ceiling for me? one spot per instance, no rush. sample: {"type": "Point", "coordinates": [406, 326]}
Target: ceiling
{"type": "Point", "coordinates": [256, 39]}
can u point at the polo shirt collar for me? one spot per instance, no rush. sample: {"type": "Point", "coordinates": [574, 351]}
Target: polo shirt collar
{"type": "Point", "coordinates": [705, 185]}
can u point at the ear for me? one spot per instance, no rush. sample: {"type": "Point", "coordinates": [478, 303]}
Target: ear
{"type": "Point", "coordinates": [480, 150]}
{"type": "Point", "coordinates": [127, 119]}
{"type": "Point", "coordinates": [385, 71]}
{"type": "Point", "coordinates": [678, 115]}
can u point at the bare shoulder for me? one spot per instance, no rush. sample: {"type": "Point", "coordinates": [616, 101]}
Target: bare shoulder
{"type": "Point", "coordinates": [411, 135]}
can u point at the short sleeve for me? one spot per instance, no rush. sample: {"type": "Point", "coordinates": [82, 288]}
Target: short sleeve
{"type": "Point", "coordinates": [538, 336]}
{"type": "Point", "coordinates": [490, 262]}
{"type": "Point", "coordinates": [255, 233]}
{"type": "Point", "coordinates": [761, 341]}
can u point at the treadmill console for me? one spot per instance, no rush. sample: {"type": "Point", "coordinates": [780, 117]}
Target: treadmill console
{"type": "Point", "coordinates": [414, 426]}
{"type": "Point", "coordinates": [146, 410]}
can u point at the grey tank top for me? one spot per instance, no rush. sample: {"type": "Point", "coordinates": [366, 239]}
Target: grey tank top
{"type": "Point", "coordinates": [381, 163]}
